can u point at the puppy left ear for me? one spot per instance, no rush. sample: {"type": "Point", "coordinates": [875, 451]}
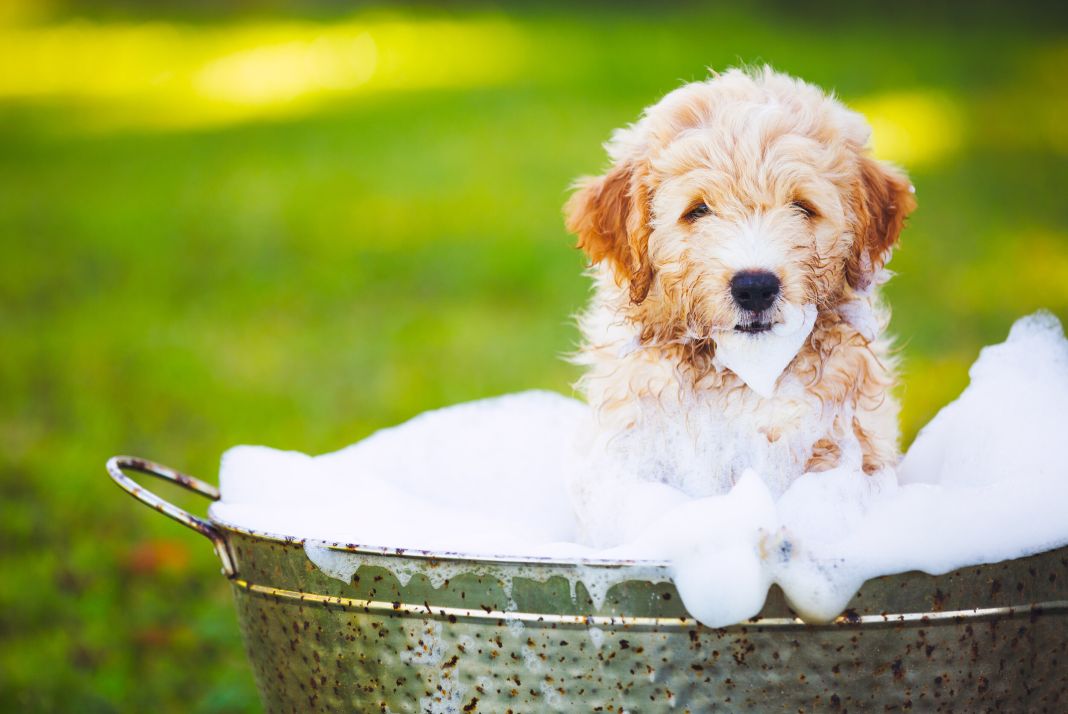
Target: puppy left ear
{"type": "Point", "coordinates": [884, 198]}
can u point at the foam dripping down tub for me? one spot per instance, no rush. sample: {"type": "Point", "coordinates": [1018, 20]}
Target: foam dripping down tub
{"type": "Point", "coordinates": [332, 627]}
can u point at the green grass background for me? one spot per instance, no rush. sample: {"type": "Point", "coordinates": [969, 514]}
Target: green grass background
{"type": "Point", "coordinates": [300, 278]}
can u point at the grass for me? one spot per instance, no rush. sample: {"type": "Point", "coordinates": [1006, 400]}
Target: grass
{"type": "Point", "coordinates": [185, 270]}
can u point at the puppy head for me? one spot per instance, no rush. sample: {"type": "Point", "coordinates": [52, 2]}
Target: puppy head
{"type": "Point", "coordinates": [734, 196]}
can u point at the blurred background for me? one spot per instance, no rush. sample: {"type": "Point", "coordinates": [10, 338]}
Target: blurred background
{"type": "Point", "coordinates": [239, 222]}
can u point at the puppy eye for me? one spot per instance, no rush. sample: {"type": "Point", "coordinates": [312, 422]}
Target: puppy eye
{"type": "Point", "coordinates": [805, 208]}
{"type": "Point", "coordinates": [698, 211]}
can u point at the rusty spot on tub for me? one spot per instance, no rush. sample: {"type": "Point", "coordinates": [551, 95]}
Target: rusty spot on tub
{"type": "Point", "coordinates": [995, 587]}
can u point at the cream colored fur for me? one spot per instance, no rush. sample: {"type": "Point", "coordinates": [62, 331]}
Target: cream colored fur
{"type": "Point", "coordinates": [785, 170]}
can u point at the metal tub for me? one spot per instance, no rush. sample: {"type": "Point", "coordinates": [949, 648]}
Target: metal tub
{"type": "Point", "coordinates": [414, 631]}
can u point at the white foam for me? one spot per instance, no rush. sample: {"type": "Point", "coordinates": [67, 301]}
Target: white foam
{"type": "Point", "coordinates": [984, 482]}
{"type": "Point", "coordinates": [1008, 423]}
{"type": "Point", "coordinates": [759, 359]}
{"type": "Point", "coordinates": [714, 546]}
{"type": "Point", "coordinates": [443, 481]}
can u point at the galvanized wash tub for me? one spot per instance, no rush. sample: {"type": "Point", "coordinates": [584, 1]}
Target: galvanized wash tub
{"type": "Point", "coordinates": [374, 629]}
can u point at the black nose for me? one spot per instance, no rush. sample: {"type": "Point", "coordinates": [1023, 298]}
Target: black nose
{"type": "Point", "coordinates": [755, 290]}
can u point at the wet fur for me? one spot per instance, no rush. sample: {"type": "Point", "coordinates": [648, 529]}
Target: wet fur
{"type": "Point", "coordinates": [762, 150]}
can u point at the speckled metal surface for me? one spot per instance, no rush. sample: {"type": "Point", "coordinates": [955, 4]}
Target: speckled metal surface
{"type": "Point", "coordinates": [416, 632]}
{"type": "Point", "coordinates": [910, 641]}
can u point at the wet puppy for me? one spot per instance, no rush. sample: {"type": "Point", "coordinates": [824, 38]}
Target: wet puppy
{"type": "Point", "coordinates": [732, 206]}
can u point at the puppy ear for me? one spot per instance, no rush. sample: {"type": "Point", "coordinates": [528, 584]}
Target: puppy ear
{"type": "Point", "coordinates": [883, 199]}
{"type": "Point", "coordinates": [609, 214]}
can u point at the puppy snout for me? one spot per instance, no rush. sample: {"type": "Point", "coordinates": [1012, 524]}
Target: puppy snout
{"type": "Point", "coordinates": [755, 290]}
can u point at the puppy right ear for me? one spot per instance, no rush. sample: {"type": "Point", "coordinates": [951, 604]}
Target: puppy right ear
{"type": "Point", "coordinates": [609, 214]}
{"type": "Point", "coordinates": [884, 199]}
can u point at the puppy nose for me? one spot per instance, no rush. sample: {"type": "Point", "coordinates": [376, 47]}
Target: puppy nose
{"type": "Point", "coordinates": [755, 290]}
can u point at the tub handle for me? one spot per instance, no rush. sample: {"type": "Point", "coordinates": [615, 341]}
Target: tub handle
{"type": "Point", "coordinates": [117, 464]}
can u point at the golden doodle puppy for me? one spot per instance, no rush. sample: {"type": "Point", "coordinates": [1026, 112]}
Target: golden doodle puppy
{"type": "Point", "coordinates": [734, 207]}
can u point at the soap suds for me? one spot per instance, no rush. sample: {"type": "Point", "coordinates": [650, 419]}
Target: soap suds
{"type": "Point", "coordinates": [444, 481]}
{"type": "Point", "coordinates": [983, 482]}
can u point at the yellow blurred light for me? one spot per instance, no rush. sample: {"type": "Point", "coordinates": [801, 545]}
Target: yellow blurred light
{"type": "Point", "coordinates": [165, 75]}
{"type": "Point", "coordinates": [22, 11]}
{"type": "Point", "coordinates": [1039, 260]}
{"type": "Point", "coordinates": [913, 128]}
{"type": "Point", "coordinates": [280, 73]}
{"type": "Point", "coordinates": [80, 60]}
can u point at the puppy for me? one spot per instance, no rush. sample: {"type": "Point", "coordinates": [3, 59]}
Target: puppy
{"type": "Point", "coordinates": [730, 205]}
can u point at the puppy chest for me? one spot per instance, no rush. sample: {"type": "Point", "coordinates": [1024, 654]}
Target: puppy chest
{"type": "Point", "coordinates": [704, 446]}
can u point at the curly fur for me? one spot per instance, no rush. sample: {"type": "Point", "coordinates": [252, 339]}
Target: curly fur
{"type": "Point", "coordinates": [786, 171]}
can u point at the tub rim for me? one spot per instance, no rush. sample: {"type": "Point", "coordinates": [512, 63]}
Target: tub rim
{"type": "Point", "coordinates": [444, 555]}
{"type": "Point", "coordinates": [216, 530]}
